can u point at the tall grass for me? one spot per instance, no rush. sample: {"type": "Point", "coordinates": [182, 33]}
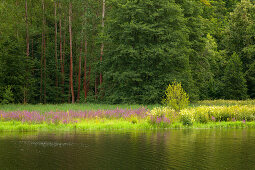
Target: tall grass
{"type": "Point", "coordinates": [65, 107]}
{"type": "Point", "coordinates": [223, 102]}
{"type": "Point", "coordinates": [66, 117]}
{"type": "Point", "coordinates": [107, 125]}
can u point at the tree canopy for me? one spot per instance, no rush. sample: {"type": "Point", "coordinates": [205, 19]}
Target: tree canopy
{"type": "Point", "coordinates": [125, 51]}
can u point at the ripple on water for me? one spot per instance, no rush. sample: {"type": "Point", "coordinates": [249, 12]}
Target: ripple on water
{"type": "Point", "coordinates": [171, 149]}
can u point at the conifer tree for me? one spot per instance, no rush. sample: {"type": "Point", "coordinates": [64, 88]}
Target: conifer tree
{"type": "Point", "coordinates": [239, 38]}
{"type": "Point", "coordinates": [233, 79]}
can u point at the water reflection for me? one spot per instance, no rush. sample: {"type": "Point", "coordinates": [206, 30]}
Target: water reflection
{"type": "Point", "coordinates": [169, 149]}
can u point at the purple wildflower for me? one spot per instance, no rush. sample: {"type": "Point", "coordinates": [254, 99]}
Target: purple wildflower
{"type": "Point", "coordinates": [213, 118]}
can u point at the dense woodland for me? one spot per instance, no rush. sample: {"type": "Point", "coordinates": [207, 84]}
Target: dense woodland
{"type": "Point", "coordinates": [125, 51]}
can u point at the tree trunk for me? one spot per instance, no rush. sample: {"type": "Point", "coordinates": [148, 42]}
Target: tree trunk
{"type": "Point", "coordinates": [27, 42]}
{"type": "Point", "coordinates": [44, 47]}
{"type": "Point", "coordinates": [87, 91]}
{"type": "Point", "coordinates": [41, 84]}
{"type": "Point", "coordinates": [44, 53]}
{"type": "Point", "coordinates": [56, 34]}
{"type": "Point", "coordinates": [71, 53]}
{"type": "Point", "coordinates": [60, 52]}
{"type": "Point", "coordinates": [27, 37]}
{"type": "Point", "coordinates": [102, 46]}
{"type": "Point", "coordinates": [79, 75]}
{"type": "Point", "coordinates": [85, 71]}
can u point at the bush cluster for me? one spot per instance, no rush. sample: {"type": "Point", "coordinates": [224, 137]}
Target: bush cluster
{"type": "Point", "coordinates": [205, 114]}
{"type": "Point", "coordinates": [162, 115]}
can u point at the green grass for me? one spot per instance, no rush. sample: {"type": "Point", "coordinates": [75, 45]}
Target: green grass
{"type": "Point", "coordinates": [65, 107]}
{"type": "Point", "coordinates": [91, 106]}
{"type": "Point", "coordinates": [121, 124]}
{"type": "Point", "coordinates": [15, 126]}
{"type": "Point", "coordinates": [222, 103]}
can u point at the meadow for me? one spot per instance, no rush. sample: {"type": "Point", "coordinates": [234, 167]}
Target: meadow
{"type": "Point", "coordinates": [81, 117]}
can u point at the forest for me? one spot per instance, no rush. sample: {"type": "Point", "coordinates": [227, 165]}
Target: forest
{"type": "Point", "coordinates": [125, 51]}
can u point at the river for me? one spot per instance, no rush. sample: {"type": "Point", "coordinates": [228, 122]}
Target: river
{"type": "Point", "coordinates": [162, 149]}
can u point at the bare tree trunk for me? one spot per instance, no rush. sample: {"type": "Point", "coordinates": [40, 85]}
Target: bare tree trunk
{"type": "Point", "coordinates": [41, 84]}
{"type": "Point", "coordinates": [102, 46]}
{"type": "Point", "coordinates": [43, 59]}
{"type": "Point", "coordinates": [95, 80]}
{"type": "Point", "coordinates": [79, 75]}
{"type": "Point", "coordinates": [27, 37]}
{"type": "Point", "coordinates": [44, 47]}
{"type": "Point", "coordinates": [60, 52]}
{"type": "Point", "coordinates": [42, 53]}
{"type": "Point", "coordinates": [85, 71]}
{"type": "Point", "coordinates": [71, 53]}
{"type": "Point", "coordinates": [56, 34]}
{"type": "Point", "coordinates": [27, 41]}
{"type": "Point", "coordinates": [88, 81]}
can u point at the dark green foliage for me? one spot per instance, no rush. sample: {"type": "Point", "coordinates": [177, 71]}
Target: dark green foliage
{"type": "Point", "coordinates": [7, 95]}
{"type": "Point", "coordinates": [147, 44]}
{"type": "Point", "coordinates": [148, 48]}
{"type": "Point", "coordinates": [234, 81]}
{"type": "Point", "coordinates": [239, 38]}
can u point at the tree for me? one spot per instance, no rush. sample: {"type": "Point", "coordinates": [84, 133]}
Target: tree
{"type": "Point", "coordinates": [71, 51]}
{"type": "Point", "coordinates": [239, 38]}
{"type": "Point", "coordinates": [233, 79]}
{"type": "Point", "coordinates": [176, 97]}
{"type": "Point", "coordinates": [147, 47]}
{"type": "Point", "coordinates": [56, 43]}
{"type": "Point", "coordinates": [102, 46]}
{"type": "Point", "coordinates": [27, 51]}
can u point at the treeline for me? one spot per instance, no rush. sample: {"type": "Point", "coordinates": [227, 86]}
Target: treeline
{"type": "Point", "coordinates": [125, 51]}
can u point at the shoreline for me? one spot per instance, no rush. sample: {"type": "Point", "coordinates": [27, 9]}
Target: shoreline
{"type": "Point", "coordinates": [112, 125]}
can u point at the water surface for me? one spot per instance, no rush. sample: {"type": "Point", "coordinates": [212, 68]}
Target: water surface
{"type": "Point", "coordinates": [169, 149]}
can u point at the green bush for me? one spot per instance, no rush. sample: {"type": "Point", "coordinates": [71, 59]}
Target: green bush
{"type": "Point", "coordinates": [7, 95]}
{"type": "Point", "coordinates": [176, 97]}
{"type": "Point", "coordinates": [187, 117]}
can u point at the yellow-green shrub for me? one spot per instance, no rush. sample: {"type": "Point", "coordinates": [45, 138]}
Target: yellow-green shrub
{"type": "Point", "coordinates": [162, 114]}
{"type": "Point", "coordinates": [226, 102]}
{"type": "Point", "coordinates": [176, 97]}
{"type": "Point", "coordinates": [224, 113]}
{"type": "Point", "coordinates": [204, 114]}
{"type": "Point", "coordinates": [187, 116]}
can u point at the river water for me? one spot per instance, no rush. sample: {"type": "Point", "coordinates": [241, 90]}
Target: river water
{"type": "Point", "coordinates": [168, 149]}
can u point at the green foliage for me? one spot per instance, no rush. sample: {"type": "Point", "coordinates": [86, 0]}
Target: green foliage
{"type": "Point", "coordinates": [234, 81]}
{"type": "Point", "coordinates": [161, 112]}
{"type": "Point", "coordinates": [239, 38]}
{"type": "Point", "coordinates": [176, 97]}
{"type": "Point", "coordinates": [147, 44]}
{"type": "Point", "coordinates": [186, 117]}
{"type": "Point", "coordinates": [7, 96]}
{"type": "Point", "coordinates": [225, 102]}
{"type": "Point", "coordinates": [146, 50]}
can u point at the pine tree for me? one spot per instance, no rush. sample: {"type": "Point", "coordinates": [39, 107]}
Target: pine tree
{"type": "Point", "coordinates": [239, 38]}
{"type": "Point", "coordinates": [233, 79]}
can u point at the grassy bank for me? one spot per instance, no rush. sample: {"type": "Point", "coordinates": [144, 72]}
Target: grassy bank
{"type": "Point", "coordinates": [83, 117]}
{"type": "Point", "coordinates": [115, 125]}
{"type": "Point", "coordinates": [65, 107]}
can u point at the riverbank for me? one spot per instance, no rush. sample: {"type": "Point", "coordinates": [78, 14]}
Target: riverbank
{"type": "Point", "coordinates": [115, 125]}
{"type": "Point", "coordinates": [77, 117]}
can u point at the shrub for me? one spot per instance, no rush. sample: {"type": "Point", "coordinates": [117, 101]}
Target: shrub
{"type": "Point", "coordinates": [187, 117]}
{"type": "Point", "coordinates": [7, 95]}
{"type": "Point", "coordinates": [202, 115]}
{"type": "Point", "coordinates": [176, 97]}
{"type": "Point", "coordinates": [162, 116]}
